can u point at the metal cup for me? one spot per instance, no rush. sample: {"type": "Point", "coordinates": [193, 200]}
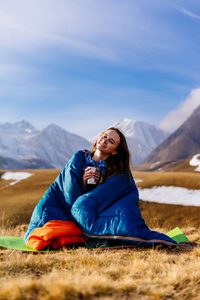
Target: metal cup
{"type": "Point", "coordinates": [92, 180]}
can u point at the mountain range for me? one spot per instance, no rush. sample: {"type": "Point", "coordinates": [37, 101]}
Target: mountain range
{"type": "Point", "coordinates": [141, 138]}
{"type": "Point", "coordinates": [22, 146]}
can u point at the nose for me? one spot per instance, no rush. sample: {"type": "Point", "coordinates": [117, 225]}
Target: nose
{"type": "Point", "coordinates": [105, 139]}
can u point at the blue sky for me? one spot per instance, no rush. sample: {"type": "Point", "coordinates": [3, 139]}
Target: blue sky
{"type": "Point", "coordinates": [86, 64]}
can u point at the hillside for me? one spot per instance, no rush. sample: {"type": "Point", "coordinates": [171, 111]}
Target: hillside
{"type": "Point", "coordinates": [189, 165]}
{"type": "Point", "coordinates": [114, 274]}
{"type": "Point", "coordinates": [180, 145]}
{"type": "Point", "coordinates": [18, 201]}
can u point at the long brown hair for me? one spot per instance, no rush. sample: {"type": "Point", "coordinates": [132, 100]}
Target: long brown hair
{"type": "Point", "coordinates": [120, 162]}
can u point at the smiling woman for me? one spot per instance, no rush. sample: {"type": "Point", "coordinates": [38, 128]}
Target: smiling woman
{"type": "Point", "coordinates": [108, 143]}
{"type": "Point", "coordinates": [72, 211]}
{"type": "Point", "coordinates": [111, 146]}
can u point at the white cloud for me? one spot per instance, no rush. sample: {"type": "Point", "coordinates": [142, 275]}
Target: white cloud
{"type": "Point", "coordinates": [187, 12]}
{"type": "Point", "coordinates": [177, 116]}
{"type": "Point", "coordinates": [190, 14]}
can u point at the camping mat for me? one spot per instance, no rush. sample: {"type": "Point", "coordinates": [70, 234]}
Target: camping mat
{"type": "Point", "coordinates": [177, 235]}
{"type": "Point", "coordinates": [17, 243]}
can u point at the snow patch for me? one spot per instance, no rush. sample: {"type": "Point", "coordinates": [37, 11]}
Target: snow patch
{"type": "Point", "coordinates": [171, 195]}
{"type": "Point", "coordinates": [16, 176]}
{"type": "Point", "coordinates": [28, 130]}
{"type": "Point", "coordinates": [127, 126]}
{"type": "Point", "coordinates": [155, 164]}
{"type": "Point", "coordinates": [195, 161]}
{"type": "Point", "coordinates": [138, 180]}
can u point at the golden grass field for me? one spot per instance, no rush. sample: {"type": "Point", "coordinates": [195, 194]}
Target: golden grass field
{"type": "Point", "coordinates": [18, 201]}
{"type": "Point", "coordinates": [101, 274]}
{"type": "Point", "coordinates": [134, 273]}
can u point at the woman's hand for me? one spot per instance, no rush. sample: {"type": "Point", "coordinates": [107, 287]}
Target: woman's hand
{"type": "Point", "coordinates": [90, 174]}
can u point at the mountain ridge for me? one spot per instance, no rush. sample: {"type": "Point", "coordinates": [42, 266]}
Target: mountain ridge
{"type": "Point", "coordinates": [141, 137]}
{"type": "Point", "coordinates": [183, 143]}
{"type": "Point", "coordinates": [23, 146]}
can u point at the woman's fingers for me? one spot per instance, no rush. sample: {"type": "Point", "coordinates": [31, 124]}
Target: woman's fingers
{"type": "Point", "coordinates": [89, 174]}
{"type": "Point", "coordinates": [95, 175]}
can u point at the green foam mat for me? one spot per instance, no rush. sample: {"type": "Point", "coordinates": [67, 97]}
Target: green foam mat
{"type": "Point", "coordinates": [17, 243]}
{"type": "Point", "coordinates": [177, 235]}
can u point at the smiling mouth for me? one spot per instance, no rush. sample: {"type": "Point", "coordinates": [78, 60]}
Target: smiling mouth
{"type": "Point", "coordinates": [102, 145]}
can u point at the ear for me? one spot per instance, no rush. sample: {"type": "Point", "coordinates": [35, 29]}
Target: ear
{"type": "Point", "coordinates": [114, 152]}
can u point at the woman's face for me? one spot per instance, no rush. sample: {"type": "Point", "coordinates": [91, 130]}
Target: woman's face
{"type": "Point", "coordinates": [108, 142]}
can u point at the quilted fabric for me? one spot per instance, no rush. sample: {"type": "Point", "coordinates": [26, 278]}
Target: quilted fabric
{"type": "Point", "coordinates": [109, 211]}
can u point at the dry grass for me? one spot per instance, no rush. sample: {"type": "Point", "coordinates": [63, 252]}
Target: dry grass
{"type": "Point", "coordinates": [181, 179]}
{"type": "Point", "coordinates": [169, 216]}
{"type": "Point", "coordinates": [101, 274]}
{"type": "Point", "coordinates": [18, 201]}
{"type": "Point", "coordinates": [134, 273]}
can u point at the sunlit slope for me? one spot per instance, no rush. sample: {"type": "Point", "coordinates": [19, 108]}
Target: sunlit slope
{"type": "Point", "coordinates": [181, 179]}
{"type": "Point", "coordinates": [183, 143]}
{"type": "Point", "coordinates": [18, 201]}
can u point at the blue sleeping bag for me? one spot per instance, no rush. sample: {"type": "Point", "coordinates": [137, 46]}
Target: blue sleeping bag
{"type": "Point", "coordinates": [110, 211]}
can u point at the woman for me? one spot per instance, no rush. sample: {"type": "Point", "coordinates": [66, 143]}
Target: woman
{"type": "Point", "coordinates": [71, 211]}
{"type": "Point", "coordinates": [111, 147]}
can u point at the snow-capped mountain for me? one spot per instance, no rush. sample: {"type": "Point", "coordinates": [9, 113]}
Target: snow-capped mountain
{"type": "Point", "coordinates": [141, 137]}
{"type": "Point", "coordinates": [57, 145]}
{"type": "Point", "coordinates": [14, 139]}
{"type": "Point", "coordinates": [23, 146]}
